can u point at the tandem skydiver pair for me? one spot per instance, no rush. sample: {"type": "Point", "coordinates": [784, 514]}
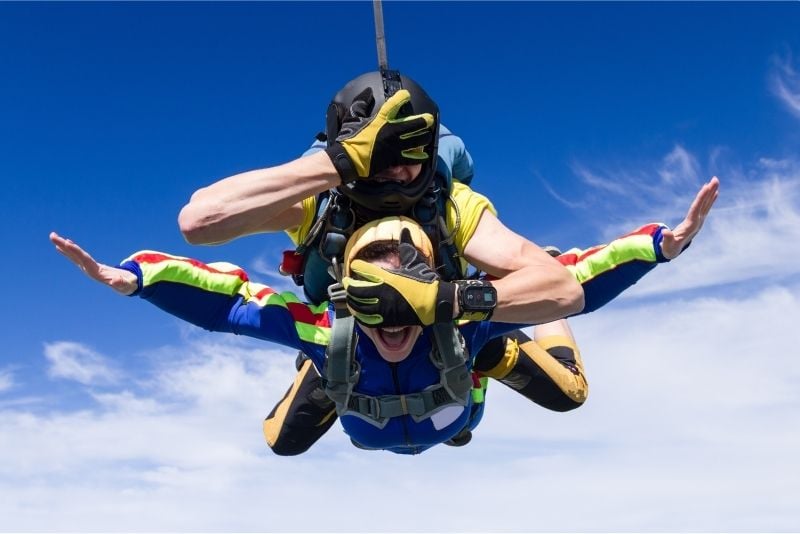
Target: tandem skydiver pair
{"type": "Point", "coordinates": [416, 320]}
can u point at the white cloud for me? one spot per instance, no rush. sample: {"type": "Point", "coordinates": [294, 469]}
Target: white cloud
{"type": "Point", "coordinates": [693, 401]}
{"type": "Point", "coordinates": [785, 82]}
{"type": "Point", "coordinates": [74, 361]}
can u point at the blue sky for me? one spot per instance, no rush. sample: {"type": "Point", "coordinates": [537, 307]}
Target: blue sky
{"type": "Point", "coordinates": [584, 120]}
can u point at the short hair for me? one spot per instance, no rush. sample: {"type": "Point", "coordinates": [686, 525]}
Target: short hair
{"type": "Point", "coordinates": [380, 250]}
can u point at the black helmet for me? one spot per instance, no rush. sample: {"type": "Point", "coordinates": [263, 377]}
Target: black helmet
{"type": "Point", "coordinates": [385, 197]}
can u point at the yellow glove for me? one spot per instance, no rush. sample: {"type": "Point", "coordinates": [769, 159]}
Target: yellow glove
{"type": "Point", "coordinates": [367, 145]}
{"type": "Point", "coordinates": [410, 295]}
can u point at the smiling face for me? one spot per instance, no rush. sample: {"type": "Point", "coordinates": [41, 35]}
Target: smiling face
{"type": "Point", "coordinates": [394, 343]}
{"type": "Point", "coordinates": [377, 242]}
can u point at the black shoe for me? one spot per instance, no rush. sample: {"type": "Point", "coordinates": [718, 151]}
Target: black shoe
{"type": "Point", "coordinates": [460, 439]}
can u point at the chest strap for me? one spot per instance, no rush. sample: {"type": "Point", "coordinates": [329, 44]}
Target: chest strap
{"type": "Point", "coordinates": [342, 371]}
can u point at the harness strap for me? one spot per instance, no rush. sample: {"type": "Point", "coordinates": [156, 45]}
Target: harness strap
{"type": "Point", "coordinates": [450, 356]}
{"type": "Point", "coordinates": [448, 353]}
{"type": "Point", "coordinates": [341, 370]}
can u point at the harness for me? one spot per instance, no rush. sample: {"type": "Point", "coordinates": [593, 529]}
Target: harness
{"type": "Point", "coordinates": [314, 265]}
{"type": "Point", "coordinates": [341, 373]}
{"type": "Point", "coordinates": [336, 219]}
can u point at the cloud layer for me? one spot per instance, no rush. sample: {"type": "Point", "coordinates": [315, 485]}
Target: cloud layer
{"type": "Point", "coordinates": [73, 361]}
{"type": "Point", "coordinates": [683, 431]}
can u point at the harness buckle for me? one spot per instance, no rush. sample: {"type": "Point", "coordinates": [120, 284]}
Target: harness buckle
{"type": "Point", "coordinates": [369, 406]}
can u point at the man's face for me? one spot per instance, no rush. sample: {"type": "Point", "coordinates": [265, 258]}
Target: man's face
{"type": "Point", "coordinates": [402, 174]}
{"type": "Point", "coordinates": [394, 344]}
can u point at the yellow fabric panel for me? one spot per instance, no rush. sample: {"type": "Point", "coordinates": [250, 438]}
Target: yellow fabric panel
{"type": "Point", "coordinates": [299, 233]}
{"type": "Point", "coordinates": [179, 269]}
{"type": "Point", "coordinates": [470, 208]}
{"type": "Point", "coordinates": [310, 333]}
{"type": "Point", "coordinates": [574, 386]}
{"type": "Point", "coordinates": [469, 203]}
{"type": "Point", "coordinates": [507, 362]}
{"type": "Point", "coordinates": [623, 250]}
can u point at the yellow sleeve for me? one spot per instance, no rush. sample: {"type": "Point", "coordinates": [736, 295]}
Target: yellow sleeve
{"type": "Point", "coordinates": [299, 233]}
{"type": "Point", "coordinates": [470, 208]}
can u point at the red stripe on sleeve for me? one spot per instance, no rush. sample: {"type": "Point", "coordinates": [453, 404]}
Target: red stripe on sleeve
{"type": "Point", "coordinates": [153, 258]}
{"type": "Point", "coordinates": [264, 292]}
{"type": "Point", "coordinates": [303, 314]}
{"type": "Point", "coordinates": [573, 259]}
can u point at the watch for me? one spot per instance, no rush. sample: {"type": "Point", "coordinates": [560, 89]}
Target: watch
{"type": "Point", "coordinates": [477, 299]}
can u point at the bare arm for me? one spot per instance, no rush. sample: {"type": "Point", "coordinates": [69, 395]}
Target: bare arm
{"type": "Point", "coordinates": [532, 287]}
{"type": "Point", "coordinates": [264, 200]}
{"type": "Point", "coordinates": [267, 199]}
{"type": "Point", "coordinates": [122, 281]}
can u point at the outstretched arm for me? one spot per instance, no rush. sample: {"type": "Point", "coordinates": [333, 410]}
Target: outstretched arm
{"type": "Point", "coordinates": [214, 296]}
{"type": "Point", "coordinates": [605, 271]}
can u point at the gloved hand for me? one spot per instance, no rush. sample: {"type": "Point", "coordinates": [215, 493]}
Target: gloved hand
{"type": "Point", "coordinates": [413, 294]}
{"type": "Point", "coordinates": [368, 145]}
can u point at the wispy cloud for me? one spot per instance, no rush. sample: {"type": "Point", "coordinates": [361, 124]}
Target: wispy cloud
{"type": "Point", "coordinates": [74, 361]}
{"type": "Point", "coordinates": [679, 167]}
{"type": "Point", "coordinates": [785, 82]}
{"type": "Point", "coordinates": [745, 238]}
{"type": "Point", "coordinates": [640, 187]}
{"type": "Point", "coordinates": [598, 182]}
{"type": "Point", "coordinates": [572, 204]}
{"type": "Point", "coordinates": [6, 380]}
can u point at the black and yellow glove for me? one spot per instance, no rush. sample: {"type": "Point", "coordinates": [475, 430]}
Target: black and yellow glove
{"type": "Point", "coordinates": [410, 295]}
{"type": "Point", "coordinates": [367, 145]}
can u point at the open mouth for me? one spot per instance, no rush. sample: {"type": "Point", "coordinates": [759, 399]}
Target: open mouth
{"type": "Point", "coordinates": [394, 338]}
{"type": "Point", "coordinates": [394, 343]}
